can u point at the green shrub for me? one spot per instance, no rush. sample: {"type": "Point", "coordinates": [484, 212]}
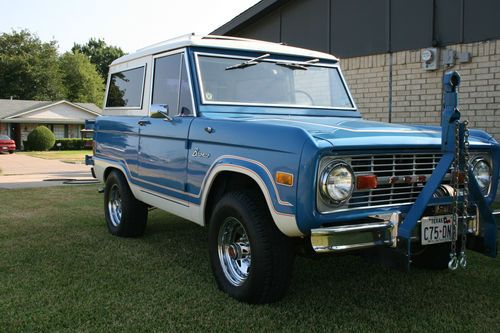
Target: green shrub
{"type": "Point", "coordinates": [72, 144]}
{"type": "Point", "coordinates": [41, 139]}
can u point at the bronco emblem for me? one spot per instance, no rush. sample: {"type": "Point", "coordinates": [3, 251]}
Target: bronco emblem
{"type": "Point", "coordinates": [198, 153]}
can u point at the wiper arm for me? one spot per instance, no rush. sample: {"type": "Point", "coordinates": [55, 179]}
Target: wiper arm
{"type": "Point", "coordinates": [248, 63]}
{"type": "Point", "coordinates": [296, 65]}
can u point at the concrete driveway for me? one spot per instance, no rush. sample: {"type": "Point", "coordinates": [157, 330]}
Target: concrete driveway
{"type": "Point", "coordinates": [21, 171]}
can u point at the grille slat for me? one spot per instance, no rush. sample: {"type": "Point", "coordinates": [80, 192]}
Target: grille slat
{"type": "Point", "coordinates": [386, 167]}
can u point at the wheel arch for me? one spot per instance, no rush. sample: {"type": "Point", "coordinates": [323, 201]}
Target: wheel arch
{"type": "Point", "coordinates": [229, 177]}
{"type": "Point", "coordinates": [110, 169]}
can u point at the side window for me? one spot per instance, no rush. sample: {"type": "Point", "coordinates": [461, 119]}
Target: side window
{"type": "Point", "coordinates": [166, 80]}
{"type": "Point", "coordinates": [171, 90]}
{"type": "Point", "coordinates": [186, 107]}
{"type": "Point", "coordinates": [125, 89]}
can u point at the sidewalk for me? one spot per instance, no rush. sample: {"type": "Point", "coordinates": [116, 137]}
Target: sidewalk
{"type": "Point", "coordinates": [21, 171]}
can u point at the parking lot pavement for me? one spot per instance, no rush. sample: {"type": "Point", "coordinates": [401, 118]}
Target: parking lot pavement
{"type": "Point", "coordinates": [21, 171]}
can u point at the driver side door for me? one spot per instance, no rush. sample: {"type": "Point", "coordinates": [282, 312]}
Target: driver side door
{"type": "Point", "coordinates": [163, 134]}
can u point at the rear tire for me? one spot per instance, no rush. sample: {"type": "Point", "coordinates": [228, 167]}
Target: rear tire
{"type": "Point", "coordinates": [251, 259]}
{"type": "Point", "coordinates": [125, 215]}
{"type": "Point", "coordinates": [11, 151]}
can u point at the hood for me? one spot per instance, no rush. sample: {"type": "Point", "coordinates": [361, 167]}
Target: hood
{"type": "Point", "coordinates": [346, 133]}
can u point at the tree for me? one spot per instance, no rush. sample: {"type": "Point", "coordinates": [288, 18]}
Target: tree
{"type": "Point", "coordinates": [100, 54]}
{"type": "Point", "coordinates": [29, 67]}
{"type": "Point", "coordinates": [81, 80]}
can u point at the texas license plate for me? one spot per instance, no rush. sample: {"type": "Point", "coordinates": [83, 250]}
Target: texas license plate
{"type": "Point", "coordinates": [436, 229]}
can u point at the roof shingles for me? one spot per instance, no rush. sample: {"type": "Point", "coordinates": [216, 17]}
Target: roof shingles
{"type": "Point", "coordinates": [9, 108]}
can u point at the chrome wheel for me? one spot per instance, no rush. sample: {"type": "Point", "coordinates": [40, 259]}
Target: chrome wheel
{"type": "Point", "coordinates": [234, 251]}
{"type": "Point", "coordinates": [115, 205]}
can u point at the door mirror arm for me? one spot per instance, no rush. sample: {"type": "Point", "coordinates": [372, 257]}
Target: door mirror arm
{"type": "Point", "coordinates": [165, 114]}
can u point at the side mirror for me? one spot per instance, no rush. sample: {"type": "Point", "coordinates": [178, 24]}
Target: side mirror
{"type": "Point", "coordinates": [160, 111]}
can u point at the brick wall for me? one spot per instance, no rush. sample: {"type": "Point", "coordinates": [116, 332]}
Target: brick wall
{"type": "Point", "coordinates": [416, 93]}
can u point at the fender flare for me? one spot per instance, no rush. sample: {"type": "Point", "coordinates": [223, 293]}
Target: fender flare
{"type": "Point", "coordinates": [285, 222]}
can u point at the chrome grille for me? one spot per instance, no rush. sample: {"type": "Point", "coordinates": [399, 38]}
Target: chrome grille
{"type": "Point", "coordinates": [392, 166]}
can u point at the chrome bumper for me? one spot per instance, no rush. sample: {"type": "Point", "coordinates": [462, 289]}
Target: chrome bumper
{"type": "Point", "coordinates": [383, 232]}
{"type": "Point", "coordinates": [357, 236]}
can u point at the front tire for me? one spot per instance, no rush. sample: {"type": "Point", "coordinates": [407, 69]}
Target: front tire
{"type": "Point", "coordinates": [251, 259]}
{"type": "Point", "coordinates": [125, 215]}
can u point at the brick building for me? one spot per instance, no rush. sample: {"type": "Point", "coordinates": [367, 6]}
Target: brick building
{"type": "Point", "coordinates": [381, 44]}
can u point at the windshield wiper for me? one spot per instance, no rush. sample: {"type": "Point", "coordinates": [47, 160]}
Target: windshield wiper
{"type": "Point", "coordinates": [296, 65]}
{"type": "Point", "coordinates": [248, 63]}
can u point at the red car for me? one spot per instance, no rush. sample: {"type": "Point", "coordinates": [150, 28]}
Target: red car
{"type": "Point", "coordinates": [6, 144]}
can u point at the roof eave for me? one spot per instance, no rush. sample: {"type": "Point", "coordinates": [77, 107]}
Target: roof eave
{"type": "Point", "coordinates": [251, 14]}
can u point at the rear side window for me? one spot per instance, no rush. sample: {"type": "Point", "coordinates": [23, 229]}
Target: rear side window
{"type": "Point", "coordinates": [125, 89]}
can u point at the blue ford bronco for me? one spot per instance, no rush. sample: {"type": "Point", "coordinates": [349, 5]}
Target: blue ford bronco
{"type": "Point", "coordinates": [263, 144]}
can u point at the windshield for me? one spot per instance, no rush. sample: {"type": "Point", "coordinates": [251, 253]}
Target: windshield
{"type": "Point", "coordinates": [271, 82]}
{"type": "Point", "coordinates": [4, 137]}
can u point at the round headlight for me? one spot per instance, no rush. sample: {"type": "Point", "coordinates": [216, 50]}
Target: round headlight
{"type": "Point", "coordinates": [482, 172]}
{"type": "Point", "coordinates": [337, 182]}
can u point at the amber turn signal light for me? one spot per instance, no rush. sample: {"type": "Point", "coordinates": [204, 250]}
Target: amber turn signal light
{"type": "Point", "coordinates": [284, 178]}
{"type": "Point", "coordinates": [366, 182]}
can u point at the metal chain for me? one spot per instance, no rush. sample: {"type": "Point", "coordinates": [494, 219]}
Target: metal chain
{"type": "Point", "coordinates": [460, 165]}
{"type": "Point", "coordinates": [453, 263]}
{"type": "Point", "coordinates": [466, 205]}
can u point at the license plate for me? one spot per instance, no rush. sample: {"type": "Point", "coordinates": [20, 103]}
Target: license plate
{"type": "Point", "coordinates": [4, 148]}
{"type": "Point", "coordinates": [436, 229]}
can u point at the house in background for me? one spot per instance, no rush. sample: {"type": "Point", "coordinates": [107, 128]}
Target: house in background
{"type": "Point", "coordinates": [65, 119]}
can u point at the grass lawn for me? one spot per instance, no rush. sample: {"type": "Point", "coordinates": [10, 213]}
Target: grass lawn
{"type": "Point", "coordinates": [70, 156]}
{"type": "Point", "coordinates": [61, 271]}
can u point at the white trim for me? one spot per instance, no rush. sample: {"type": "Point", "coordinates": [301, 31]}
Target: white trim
{"type": "Point", "coordinates": [286, 223]}
{"type": "Point", "coordinates": [209, 171]}
{"type": "Point", "coordinates": [140, 107]}
{"type": "Point", "coordinates": [271, 60]}
{"type": "Point", "coordinates": [50, 105]}
{"type": "Point", "coordinates": [222, 42]}
{"type": "Point", "coordinates": [185, 60]}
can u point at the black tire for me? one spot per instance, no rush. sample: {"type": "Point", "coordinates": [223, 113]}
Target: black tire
{"type": "Point", "coordinates": [11, 151]}
{"type": "Point", "coordinates": [133, 214]}
{"type": "Point", "coordinates": [435, 257]}
{"type": "Point", "coordinates": [271, 253]}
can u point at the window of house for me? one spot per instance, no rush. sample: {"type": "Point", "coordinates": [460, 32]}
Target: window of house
{"type": "Point", "coordinates": [59, 131]}
{"type": "Point", "coordinates": [125, 89]}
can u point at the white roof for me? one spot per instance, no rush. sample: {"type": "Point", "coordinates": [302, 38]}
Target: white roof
{"type": "Point", "coordinates": [224, 42]}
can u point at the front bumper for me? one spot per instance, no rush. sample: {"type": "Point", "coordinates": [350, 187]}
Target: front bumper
{"type": "Point", "coordinates": [383, 231]}
{"type": "Point", "coordinates": [7, 148]}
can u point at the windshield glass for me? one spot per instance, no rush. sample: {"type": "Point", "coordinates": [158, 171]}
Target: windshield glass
{"type": "Point", "coordinates": [271, 82]}
{"type": "Point", "coordinates": [4, 137]}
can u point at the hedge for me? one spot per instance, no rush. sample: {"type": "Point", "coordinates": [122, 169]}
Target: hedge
{"type": "Point", "coordinates": [41, 139]}
{"type": "Point", "coordinates": [67, 144]}
{"type": "Point", "coordinates": [72, 144]}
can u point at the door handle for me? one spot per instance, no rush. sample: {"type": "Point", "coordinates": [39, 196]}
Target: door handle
{"type": "Point", "coordinates": [143, 122]}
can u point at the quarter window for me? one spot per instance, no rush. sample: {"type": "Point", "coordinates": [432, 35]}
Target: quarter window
{"type": "Point", "coordinates": [125, 89]}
